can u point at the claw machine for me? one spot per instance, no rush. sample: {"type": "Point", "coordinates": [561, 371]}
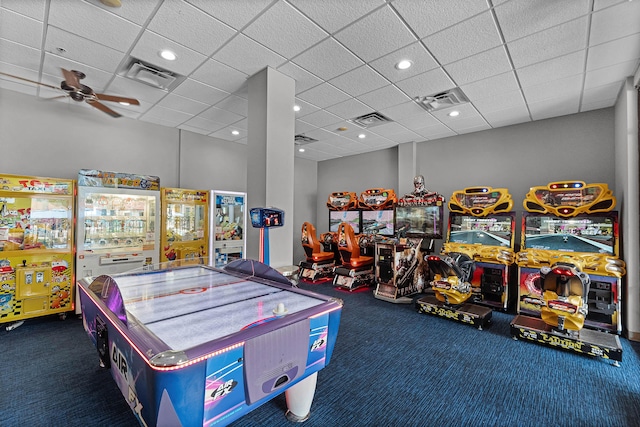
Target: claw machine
{"type": "Point", "coordinates": [36, 247]}
{"type": "Point", "coordinates": [228, 219]}
{"type": "Point", "coordinates": [185, 226]}
{"type": "Point", "coordinates": [118, 223]}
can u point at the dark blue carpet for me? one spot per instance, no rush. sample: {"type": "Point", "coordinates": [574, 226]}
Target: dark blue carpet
{"type": "Point", "coordinates": [391, 367]}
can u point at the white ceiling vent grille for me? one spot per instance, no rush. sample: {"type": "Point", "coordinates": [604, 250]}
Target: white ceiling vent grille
{"type": "Point", "coordinates": [442, 100]}
{"type": "Point", "coordinates": [303, 140]}
{"type": "Point", "coordinates": [152, 75]}
{"type": "Point", "coordinates": [371, 120]}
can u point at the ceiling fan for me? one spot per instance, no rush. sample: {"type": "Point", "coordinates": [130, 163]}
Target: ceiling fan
{"type": "Point", "coordinates": [79, 92]}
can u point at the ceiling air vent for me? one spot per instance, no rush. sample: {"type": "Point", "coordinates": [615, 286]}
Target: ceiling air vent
{"type": "Point", "coordinates": [151, 75]}
{"type": "Point", "coordinates": [303, 140]}
{"type": "Point", "coordinates": [371, 120]}
{"type": "Point", "coordinates": [442, 100]}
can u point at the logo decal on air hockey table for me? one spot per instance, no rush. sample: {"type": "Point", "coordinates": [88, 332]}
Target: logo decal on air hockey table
{"type": "Point", "coordinates": [193, 290]}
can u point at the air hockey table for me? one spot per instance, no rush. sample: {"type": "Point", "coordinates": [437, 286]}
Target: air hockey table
{"type": "Point", "coordinates": [197, 345]}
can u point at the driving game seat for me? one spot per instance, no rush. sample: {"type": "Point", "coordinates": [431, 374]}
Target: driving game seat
{"type": "Point", "coordinates": [565, 289]}
{"type": "Point", "coordinates": [452, 274]}
{"type": "Point", "coordinates": [312, 248]}
{"type": "Point", "coordinates": [349, 248]}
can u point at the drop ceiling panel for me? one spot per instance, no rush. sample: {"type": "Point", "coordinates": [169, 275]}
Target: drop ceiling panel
{"type": "Point", "coordinates": [522, 18]}
{"type": "Point", "coordinates": [235, 104]}
{"type": "Point", "coordinates": [285, 30]}
{"type": "Point", "coordinates": [15, 53]}
{"type": "Point", "coordinates": [551, 43]}
{"type": "Point", "coordinates": [221, 116]}
{"type": "Point", "coordinates": [428, 83]}
{"type": "Point", "coordinates": [332, 15]}
{"type": "Point", "coordinates": [553, 108]}
{"type": "Point", "coordinates": [82, 50]}
{"type": "Point", "coordinates": [480, 66]}
{"type": "Point", "coordinates": [131, 88]}
{"type": "Point", "coordinates": [189, 26]}
{"type": "Point", "coordinates": [204, 124]}
{"type": "Point", "coordinates": [614, 52]}
{"type": "Point", "coordinates": [360, 80]}
{"type": "Point", "coordinates": [182, 104]}
{"type": "Point", "coordinates": [200, 92]}
{"type": "Point", "coordinates": [615, 22]}
{"type": "Point", "coordinates": [553, 69]}
{"type": "Point", "coordinates": [406, 109]}
{"type": "Point", "coordinates": [254, 57]}
{"type": "Point", "coordinates": [508, 117]}
{"type": "Point", "coordinates": [305, 108]}
{"type": "Point", "coordinates": [429, 17]}
{"type": "Point", "coordinates": [467, 38]}
{"type": "Point", "coordinates": [219, 75]}
{"type": "Point", "coordinates": [34, 8]}
{"type": "Point", "coordinates": [235, 13]}
{"type": "Point", "coordinates": [500, 101]}
{"type": "Point", "coordinates": [94, 23]}
{"type": "Point", "coordinates": [303, 79]}
{"type": "Point", "coordinates": [384, 97]}
{"type": "Point", "coordinates": [148, 49]}
{"type": "Point", "coordinates": [491, 87]}
{"type": "Point", "coordinates": [324, 95]}
{"type": "Point", "coordinates": [369, 38]}
{"type": "Point", "coordinates": [566, 87]}
{"type": "Point", "coordinates": [137, 12]}
{"type": "Point", "coordinates": [349, 109]}
{"type": "Point", "coordinates": [415, 52]}
{"type": "Point", "coordinates": [435, 131]}
{"type": "Point", "coordinates": [20, 29]}
{"type": "Point", "coordinates": [607, 75]}
{"type": "Point", "coordinates": [169, 116]}
{"type": "Point", "coordinates": [605, 93]}
{"type": "Point", "coordinates": [342, 60]}
{"type": "Point", "coordinates": [322, 118]}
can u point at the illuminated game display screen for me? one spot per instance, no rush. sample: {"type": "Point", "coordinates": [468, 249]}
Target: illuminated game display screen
{"type": "Point", "coordinates": [419, 221]}
{"type": "Point", "coordinates": [378, 222]}
{"type": "Point", "coordinates": [594, 234]}
{"type": "Point", "coordinates": [492, 230]}
{"type": "Point", "coordinates": [350, 217]}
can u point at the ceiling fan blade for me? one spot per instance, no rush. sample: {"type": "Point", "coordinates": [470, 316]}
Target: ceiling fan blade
{"type": "Point", "coordinates": [71, 78]}
{"type": "Point", "coordinates": [112, 98]}
{"type": "Point", "coordinates": [103, 108]}
{"type": "Point", "coordinates": [30, 81]}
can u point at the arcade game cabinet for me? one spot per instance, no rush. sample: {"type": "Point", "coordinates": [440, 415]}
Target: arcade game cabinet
{"type": "Point", "coordinates": [36, 248]}
{"type": "Point", "coordinates": [482, 225]}
{"type": "Point", "coordinates": [319, 263]}
{"type": "Point", "coordinates": [184, 237]}
{"type": "Point", "coordinates": [399, 256]}
{"type": "Point", "coordinates": [228, 217]}
{"type": "Point", "coordinates": [569, 270]}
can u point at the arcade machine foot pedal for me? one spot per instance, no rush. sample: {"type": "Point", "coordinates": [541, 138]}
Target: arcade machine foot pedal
{"type": "Point", "coordinates": [586, 341]}
{"type": "Point", "coordinates": [470, 314]}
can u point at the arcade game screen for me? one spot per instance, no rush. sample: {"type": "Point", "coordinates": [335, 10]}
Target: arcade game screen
{"type": "Point", "coordinates": [350, 217]}
{"type": "Point", "coordinates": [419, 221]}
{"type": "Point", "coordinates": [378, 222]}
{"type": "Point", "coordinates": [594, 234]}
{"type": "Point", "coordinates": [492, 230]}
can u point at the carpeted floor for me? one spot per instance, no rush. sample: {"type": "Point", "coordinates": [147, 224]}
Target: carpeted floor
{"type": "Point", "coordinates": [391, 367]}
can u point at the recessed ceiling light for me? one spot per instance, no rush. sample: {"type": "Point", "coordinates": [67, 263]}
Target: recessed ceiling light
{"type": "Point", "coordinates": [296, 108]}
{"type": "Point", "coordinates": [301, 150]}
{"type": "Point", "coordinates": [404, 64]}
{"type": "Point", "coordinates": [235, 132]}
{"type": "Point", "coordinates": [454, 113]}
{"type": "Point", "coordinates": [362, 136]}
{"type": "Point", "coordinates": [168, 55]}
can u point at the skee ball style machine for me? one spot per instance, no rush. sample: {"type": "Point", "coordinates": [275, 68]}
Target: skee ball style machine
{"type": "Point", "coordinates": [36, 248]}
{"type": "Point", "coordinates": [397, 260]}
{"type": "Point", "coordinates": [184, 236]}
{"type": "Point", "coordinates": [569, 270]}
{"type": "Point", "coordinates": [200, 346]}
{"type": "Point", "coordinates": [228, 216]}
{"type": "Point", "coordinates": [482, 226]}
{"type": "Point", "coordinates": [118, 227]}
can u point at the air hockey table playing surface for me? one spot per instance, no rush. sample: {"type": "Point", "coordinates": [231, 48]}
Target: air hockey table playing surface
{"type": "Point", "coordinates": [202, 346]}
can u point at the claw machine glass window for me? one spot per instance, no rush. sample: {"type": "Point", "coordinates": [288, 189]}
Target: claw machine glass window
{"type": "Point", "coordinates": [36, 247]}
{"type": "Point", "coordinates": [185, 226]}
{"type": "Point", "coordinates": [228, 218]}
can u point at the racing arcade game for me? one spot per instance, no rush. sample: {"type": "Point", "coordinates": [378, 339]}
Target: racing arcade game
{"type": "Point", "coordinates": [319, 263]}
{"type": "Point", "coordinates": [481, 226]}
{"type": "Point", "coordinates": [569, 271]}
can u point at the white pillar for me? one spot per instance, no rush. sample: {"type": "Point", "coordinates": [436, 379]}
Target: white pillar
{"type": "Point", "coordinates": [271, 129]}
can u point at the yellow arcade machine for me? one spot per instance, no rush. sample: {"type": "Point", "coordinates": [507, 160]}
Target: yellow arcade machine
{"type": "Point", "coordinates": [36, 247]}
{"type": "Point", "coordinates": [569, 273]}
{"type": "Point", "coordinates": [184, 235]}
{"type": "Point", "coordinates": [482, 226]}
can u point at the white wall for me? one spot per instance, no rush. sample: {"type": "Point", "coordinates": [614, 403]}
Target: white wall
{"type": "Point", "coordinates": [304, 202]}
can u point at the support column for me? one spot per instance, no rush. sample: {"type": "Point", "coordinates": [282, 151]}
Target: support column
{"type": "Point", "coordinates": [270, 156]}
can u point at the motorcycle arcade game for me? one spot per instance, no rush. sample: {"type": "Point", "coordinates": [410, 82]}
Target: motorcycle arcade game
{"type": "Point", "coordinates": [472, 275]}
{"type": "Point", "coordinates": [400, 263]}
{"type": "Point", "coordinates": [569, 271]}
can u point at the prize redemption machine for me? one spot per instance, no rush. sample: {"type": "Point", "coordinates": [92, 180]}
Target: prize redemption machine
{"type": "Point", "coordinates": [569, 270]}
{"type": "Point", "coordinates": [228, 219]}
{"type": "Point", "coordinates": [117, 227]}
{"type": "Point", "coordinates": [36, 248]}
{"type": "Point", "coordinates": [481, 226]}
{"type": "Point", "coordinates": [185, 226]}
